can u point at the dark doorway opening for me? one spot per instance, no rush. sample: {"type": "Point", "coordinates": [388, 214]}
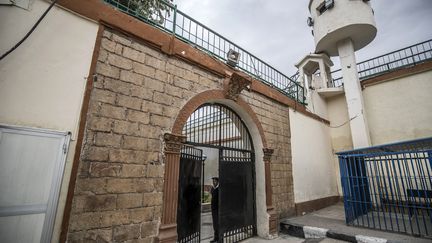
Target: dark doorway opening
{"type": "Point", "coordinates": [228, 151]}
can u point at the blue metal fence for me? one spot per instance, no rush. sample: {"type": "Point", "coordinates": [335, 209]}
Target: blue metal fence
{"type": "Point", "coordinates": [389, 187]}
{"type": "Point", "coordinates": [185, 28]}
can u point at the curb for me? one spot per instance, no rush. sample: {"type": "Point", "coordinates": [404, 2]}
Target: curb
{"type": "Point", "coordinates": [309, 232]}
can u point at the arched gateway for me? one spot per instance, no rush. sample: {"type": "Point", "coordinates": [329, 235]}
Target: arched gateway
{"type": "Point", "coordinates": [228, 148]}
{"type": "Point", "coordinates": [208, 125]}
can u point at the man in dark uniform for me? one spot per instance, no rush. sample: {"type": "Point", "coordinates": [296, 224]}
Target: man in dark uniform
{"type": "Point", "coordinates": [215, 208]}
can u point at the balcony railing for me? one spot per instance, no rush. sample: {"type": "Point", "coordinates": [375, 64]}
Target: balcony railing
{"type": "Point", "coordinates": [193, 32]}
{"type": "Point", "coordinates": [405, 57]}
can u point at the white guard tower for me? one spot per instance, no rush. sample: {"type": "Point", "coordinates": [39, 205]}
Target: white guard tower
{"type": "Point", "coordinates": [340, 28]}
{"type": "Point", "coordinates": [314, 76]}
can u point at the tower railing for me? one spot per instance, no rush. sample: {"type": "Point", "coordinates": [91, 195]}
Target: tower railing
{"type": "Point", "coordinates": [408, 56]}
{"type": "Point", "coordinates": [389, 187]}
{"type": "Point", "coordinates": [189, 30]}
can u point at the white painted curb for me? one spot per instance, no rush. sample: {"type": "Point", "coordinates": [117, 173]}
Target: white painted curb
{"type": "Point", "coordinates": [368, 239]}
{"type": "Point", "coordinates": [314, 233]}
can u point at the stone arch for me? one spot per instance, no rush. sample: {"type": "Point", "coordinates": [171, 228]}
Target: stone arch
{"type": "Point", "coordinates": [266, 215]}
{"type": "Point", "coordinates": [209, 96]}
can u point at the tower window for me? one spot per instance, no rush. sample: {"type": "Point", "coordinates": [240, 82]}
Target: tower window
{"type": "Point", "coordinates": [324, 6]}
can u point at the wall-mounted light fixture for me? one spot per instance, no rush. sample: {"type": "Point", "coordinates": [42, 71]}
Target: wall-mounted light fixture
{"type": "Point", "coordinates": [233, 58]}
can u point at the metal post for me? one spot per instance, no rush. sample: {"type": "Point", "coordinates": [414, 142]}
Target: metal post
{"type": "Point", "coordinates": [174, 20]}
{"type": "Point", "coordinates": [202, 179]}
{"type": "Point", "coordinates": [412, 56]}
{"type": "Point", "coordinates": [303, 95]}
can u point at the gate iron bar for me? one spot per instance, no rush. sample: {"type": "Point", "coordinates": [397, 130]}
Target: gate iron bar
{"type": "Point", "coordinates": [389, 187]}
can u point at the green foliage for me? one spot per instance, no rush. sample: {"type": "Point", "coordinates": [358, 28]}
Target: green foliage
{"type": "Point", "coordinates": [153, 10]}
{"type": "Point", "coordinates": [206, 198]}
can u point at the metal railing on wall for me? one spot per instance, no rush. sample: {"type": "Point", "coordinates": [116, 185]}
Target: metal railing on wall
{"type": "Point", "coordinates": [389, 187]}
{"type": "Point", "coordinates": [198, 35]}
{"type": "Point", "coordinates": [405, 57]}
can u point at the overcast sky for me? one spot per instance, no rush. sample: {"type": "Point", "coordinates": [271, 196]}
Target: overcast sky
{"type": "Point", "coordinates": [276, 30]}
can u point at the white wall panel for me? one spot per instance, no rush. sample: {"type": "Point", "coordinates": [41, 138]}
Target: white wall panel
{"type": "Point", "coordinates": [31, 169]}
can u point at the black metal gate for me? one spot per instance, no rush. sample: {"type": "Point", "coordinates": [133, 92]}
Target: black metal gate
{"type": "Point", "coordinates": [237, 198]}
{"type": "Point", "coordinates": [217, 126]}
{"type": "Point", "coordinates": [189, 195]}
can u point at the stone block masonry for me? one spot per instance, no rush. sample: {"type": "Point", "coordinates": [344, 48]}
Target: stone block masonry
{"type": "Point", "coordinates": [135, 99]}
{"type": "Point", "coordinates": [274, 118]}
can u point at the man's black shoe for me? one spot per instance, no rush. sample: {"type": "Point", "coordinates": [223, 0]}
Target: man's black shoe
{"type": "Point", "coordinates": [213, 241]}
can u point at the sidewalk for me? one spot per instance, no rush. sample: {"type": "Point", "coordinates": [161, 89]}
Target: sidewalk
{"type": "Point", "coordinates": [291, 239]}
{"type": "Point", "coordinates": [330, 222]}
{"type": "Point", "coordinates": [207, 235]}
{"type": "Point", "coordinates": [206, 227]}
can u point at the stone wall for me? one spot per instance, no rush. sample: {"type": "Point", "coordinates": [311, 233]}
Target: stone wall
{"type": "Point", "coordinates": [274, 119]}
{"type": "Point", "coordinates": [136, 97]}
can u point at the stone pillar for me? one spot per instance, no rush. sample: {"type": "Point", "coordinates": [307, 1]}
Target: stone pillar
{"type": "Point", "coordinates": [323, 75]}
{"type": "Point", "coordinates": [168, 228]}
{"type": "Point", "coordinates": [273, 220]}
{"type": "Point", "coordinates": [353, 95]}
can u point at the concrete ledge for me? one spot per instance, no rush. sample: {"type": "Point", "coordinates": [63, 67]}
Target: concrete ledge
{"type": "Point", "coordinates": [309, 232]}
{"type": "Point", "coordinates": [292, 229]}
{"type": "Point", "coordinates": [338, 236]}
{"type": "Point", "coordinates": [314, 232]}
{"type": "Point", "coordinates": [332, 221]}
